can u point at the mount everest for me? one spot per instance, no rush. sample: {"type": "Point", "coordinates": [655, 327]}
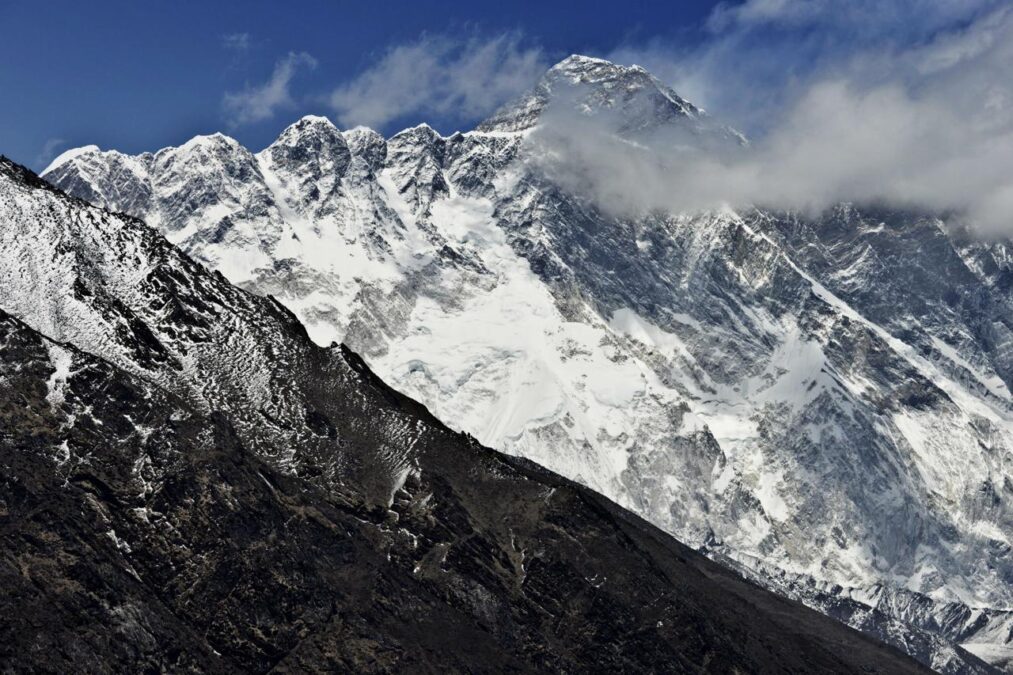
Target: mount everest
{"type": "Point", "coordinates": [821, 401]}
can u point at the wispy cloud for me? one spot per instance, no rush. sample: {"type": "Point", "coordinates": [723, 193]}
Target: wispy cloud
{"type": "Point", "coordinates": [48, 152]}
{"type": "Point", "coordinates": [760, 56]}
{"type": "Point", "coordinates": [463, 78]}
{"type": "Point", "coordinates": [237, 42]}
{"type": "Point", "coordinates": [902, 19]}
{"type": "Point", "coordinates": [926, 120]}
{"type": "Point", "coordinates": [260, 102]}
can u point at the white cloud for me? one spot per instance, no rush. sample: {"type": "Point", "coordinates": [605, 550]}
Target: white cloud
{"type": "Point", "coordinates": [260, 102]}
{"type": "Point", "coordinates": [439, 75]}
{"type": "Point", "coordinates": [873, 17]}
{"type": "Point", "coordinates": [48, 152]}
{"type": "Point", "coordinates": [237, 42]}
{"type": "Point", "coordinates": [928, 125]}
{"type": "Point", "coordinates": [760, 56]}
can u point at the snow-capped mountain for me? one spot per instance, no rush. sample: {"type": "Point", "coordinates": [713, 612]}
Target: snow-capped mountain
{"type": "Point", "coordinates": [822, 401]}
{"type": "Point", "coordinates": [189, 484]}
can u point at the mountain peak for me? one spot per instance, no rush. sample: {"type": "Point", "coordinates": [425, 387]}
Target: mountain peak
{"type": "Point", "coordinates": [595, 84]}
{"type": "Point", "coordinates": [309, 157]}
{"type": "Point", "coordinates": [419, 136]}
{"type": "Point", "coordinates": [207, 142]}
{"type": "Point", "coordinates": [315, 119]}
{"type": "Point", "coordinates": [312, 130]}
{"type": "Point", "coordinates": [576, 61]}
{"type": "Point", "coordinates": [68, 155]}
{"type": "Point", "coordinates": [312, 139]}
{"type": "Point", "coordinates": [419, 130]}
{"type": "Point", "coordinates": [308, 124]}
{"type": "Point", "coordinates": [592, 69]}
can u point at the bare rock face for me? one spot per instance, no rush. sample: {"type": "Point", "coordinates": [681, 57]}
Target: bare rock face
{"type": "Point", "coordinates": [823, 402]}
{"type": "Point", "coordinates": [189, 484]}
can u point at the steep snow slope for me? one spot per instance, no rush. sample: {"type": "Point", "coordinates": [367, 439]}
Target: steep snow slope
{"type": "Point", "coordinates": [158, 512]}
{"type": "Point", "coordinates": [790, 394]}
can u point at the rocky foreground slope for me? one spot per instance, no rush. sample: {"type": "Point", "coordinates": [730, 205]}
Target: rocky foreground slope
{"type": "Point", "coordinates": [822, 401]}
{"type": "Point", "coordinates": [190, 484]}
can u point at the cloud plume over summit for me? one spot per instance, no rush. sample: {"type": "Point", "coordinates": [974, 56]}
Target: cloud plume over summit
{"type": "Point", "coordinates": [927, 124]}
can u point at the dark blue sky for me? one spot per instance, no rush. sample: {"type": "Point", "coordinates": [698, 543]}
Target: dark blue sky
{"type": "Point", "coordinates": [140, 75]}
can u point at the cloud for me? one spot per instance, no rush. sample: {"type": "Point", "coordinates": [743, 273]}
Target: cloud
{"type": "Point", "coordinates": [439, 75]}
{"type": "Point", "coordinates": [260, 102]}
{"type": "Point", "coordinates": [760, 56]}
{"type": "Point", "coordinates": [899, 18]}
{"type": "Point", "coordinates": [237, 42]}
{"type": "Point", "coordinates": [926, 123]}
{"type": "Point", "coordinates": [48, 152]}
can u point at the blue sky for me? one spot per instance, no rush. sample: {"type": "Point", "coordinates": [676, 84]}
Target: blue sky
{"type": "Point", "coordinates": [140, 75]}
{"type": "Point", "coordinates": [904, 100]}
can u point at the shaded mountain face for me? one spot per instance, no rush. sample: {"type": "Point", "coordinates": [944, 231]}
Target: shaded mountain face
{"type": "Point", "coordinates": [190, 484]}
{"type": "Point", "coordinates": [823, 402]}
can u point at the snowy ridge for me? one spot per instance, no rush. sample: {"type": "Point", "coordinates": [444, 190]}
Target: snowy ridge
{"type": "Point", "coordinates": [111, 285]}
{"type": "Point", "coordinates": [804, 392]}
